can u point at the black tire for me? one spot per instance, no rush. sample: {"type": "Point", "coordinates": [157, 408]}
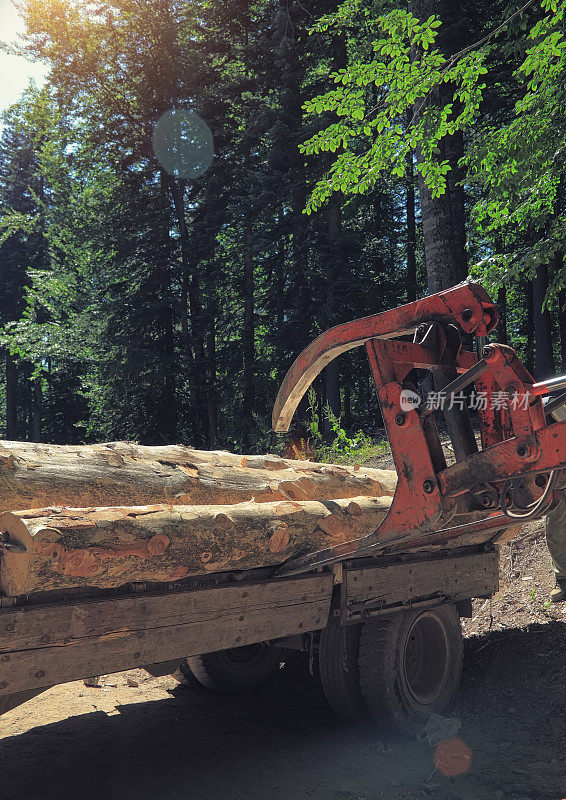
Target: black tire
{"type": "Point", "coordinates": [187, 679]}
{"type": "Point", "coordinates": [237, 670]}
{"type": "Point", "coordinates": [338, 665]}
{"type": "Point", "coordinates": [410, 665]}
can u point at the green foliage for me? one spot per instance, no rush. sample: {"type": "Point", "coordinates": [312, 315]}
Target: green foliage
{"type": "Point", "coordinates": [128, 302]}
{"type": "Point", "coordinates": [360, 449]}
{"type": "Point", "coordinates": [314, 417]}
{"type": "Point", "coordinates": [400, 94]}
{"type": "Point", "coordinates": [373, 98]}
{"type": "Point", "coordinates": [518, 166]}
{"type": "Point", "coordinates": [157, 309]}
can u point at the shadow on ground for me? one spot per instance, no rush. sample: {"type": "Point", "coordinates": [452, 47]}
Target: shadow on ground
{"type": "Point", "coordinates": [284, 743]}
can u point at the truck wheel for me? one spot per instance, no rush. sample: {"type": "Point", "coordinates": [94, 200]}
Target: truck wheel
{"type": "Point", "coordinates": [237, 670]}
{"type": "Point", "coordinates": [410, 665]}
{"type": "Point", "coordinates": [338, 665]}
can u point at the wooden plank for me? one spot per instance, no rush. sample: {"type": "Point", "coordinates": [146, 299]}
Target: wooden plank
{"type": "Point", "coordinates": [28, 627]}
{"type": "Point", "coordinates": [455, 578]}
{"type": "Point", "coordinates": [113, 635]}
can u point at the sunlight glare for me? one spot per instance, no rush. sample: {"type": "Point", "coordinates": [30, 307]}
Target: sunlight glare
{"type": "Point", "coordinates": [15, 71]}
{"type": "Point", "coordinates": [183, 144]}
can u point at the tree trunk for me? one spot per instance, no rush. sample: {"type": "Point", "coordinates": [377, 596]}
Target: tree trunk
{"type": "Point", "coordinates": [502, 309]}
{"type": "Point", "coordinates": [166, 410]}
{"type": "Point", "coordinates": [333, 267]}
{"type": "Point", "coordinates": [334, 262]}
{"type": "Point", "coordinates": [454, 152]}
{"type": "Point", "coordinates": [299, 298]}
{"type": "Point", "coordinates": [530, 348]}
{"type": "Point", "coordinates": [191, 292]}
{"type": "Point", "coordinates": [443, 268]}
{"type": "Point", "coordinates": [120, 473]}
{"type": "Point", "coordinates": [562, 326]}
{"type": "Point", "coordinates": [544, 357]}
{"type": "Point", "coordinates": [443, 217]}
{"type": "Point", "coordinates": [248, 335]}
{"type": "Point", "coordinates": [294, 22]}
{"type": "Point", "coordinates": [11, 398]}
{"type": "Point", "coordinates": [108, 547]}
{"type": "Point", "coordinates": [37, 411]}
{"type": "Point", "coordinates": [27, 400]}
{"type": "Point", "coordinates": [411, 232]}
{"type": "Point", "coordinates": [212, 400]}
{"type": "Point", "coordinates": [347, 412]}
{"type": "Point", "coordinates": [188, 353]}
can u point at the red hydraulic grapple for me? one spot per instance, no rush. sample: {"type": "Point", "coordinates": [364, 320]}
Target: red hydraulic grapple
{"type": "Point", "coordinates": [516, 472]}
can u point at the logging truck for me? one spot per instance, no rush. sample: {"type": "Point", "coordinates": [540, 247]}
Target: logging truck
{"type": "Point", "coordinates": [117, 555]}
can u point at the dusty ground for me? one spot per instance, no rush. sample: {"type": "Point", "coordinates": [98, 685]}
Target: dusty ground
{"type": "Point", "coordinates": [138, 737]}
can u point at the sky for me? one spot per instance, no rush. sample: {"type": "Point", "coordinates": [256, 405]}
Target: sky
{"type": "Point", "coordinates": [15, 72]}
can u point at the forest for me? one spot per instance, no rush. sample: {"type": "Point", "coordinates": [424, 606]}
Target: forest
{"type": "Point", "coordinates": [346, 158]}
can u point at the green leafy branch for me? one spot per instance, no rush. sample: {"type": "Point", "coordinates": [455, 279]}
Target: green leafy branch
{"type": "Point", "coordinates": [372, 100]}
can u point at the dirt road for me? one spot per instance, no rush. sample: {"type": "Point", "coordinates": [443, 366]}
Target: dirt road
{"type": "Point", "coordinates": [153, 742]}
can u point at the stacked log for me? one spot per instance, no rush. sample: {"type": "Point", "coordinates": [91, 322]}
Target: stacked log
{"type": "Point", "coordinates": [121, 473]}
{"type": "Point", "coordinates": [104, 515]}
{"type": "Point", "coordinates": [68, 548]}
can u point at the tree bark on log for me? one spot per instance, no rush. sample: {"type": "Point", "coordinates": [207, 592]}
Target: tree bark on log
{"type": "Point", "coordinates": [124, 474]}
{"type": "Point", "coordinates": [58, 549]}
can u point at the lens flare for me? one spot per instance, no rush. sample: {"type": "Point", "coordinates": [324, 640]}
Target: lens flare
{"type": "Point", "coordinates": [452, 757]}
{"type": "Point", "coordinates": [182, 143]}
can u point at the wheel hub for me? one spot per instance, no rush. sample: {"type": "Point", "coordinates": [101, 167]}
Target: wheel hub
{"type": "Point", "coordinates": [425, 659]}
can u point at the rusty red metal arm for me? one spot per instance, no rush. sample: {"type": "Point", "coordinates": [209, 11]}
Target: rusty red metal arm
{"type": "Point", "coordinates": [513, 458]}
{"type": "Point", "coordinates": [467, 305]}
{"type": "Point", "coordinates": [521, 466]}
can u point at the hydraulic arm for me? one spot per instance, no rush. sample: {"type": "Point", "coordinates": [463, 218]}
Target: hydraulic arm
{"type": "Point", "coordinates": [508, 455]}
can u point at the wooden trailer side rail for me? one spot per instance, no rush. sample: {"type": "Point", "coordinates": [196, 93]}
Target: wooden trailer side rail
{"type": "Point", "coordinates": [48, 644]}
{"type": "Point", "coordinates": [374, 590]}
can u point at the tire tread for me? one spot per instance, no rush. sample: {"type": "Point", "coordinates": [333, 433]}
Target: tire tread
{"type": "Point", "coordinates": [341, 687]}
{"type": "Point", "coordinates": [378, 662]}
{"type": "Point", "coordinates": [212, 672]}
